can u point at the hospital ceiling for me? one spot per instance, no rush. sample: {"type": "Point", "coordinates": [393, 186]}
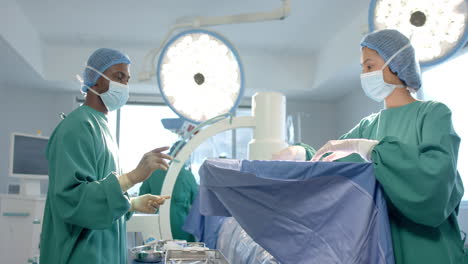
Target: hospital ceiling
{"type": "Point", "coordinates": [313, 53]}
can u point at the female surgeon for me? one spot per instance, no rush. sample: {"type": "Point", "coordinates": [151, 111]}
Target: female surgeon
{"type": "Point", "coordinates": [414, 149]}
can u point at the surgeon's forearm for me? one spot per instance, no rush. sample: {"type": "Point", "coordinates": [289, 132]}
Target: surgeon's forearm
{"type": "Point", "coordinates": [125, 182]}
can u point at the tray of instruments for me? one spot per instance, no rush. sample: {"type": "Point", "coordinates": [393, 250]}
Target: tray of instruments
{"type": "Point", "coordinates": [155, 252]}
{"type": "Point", "coordinates": [186, 256]}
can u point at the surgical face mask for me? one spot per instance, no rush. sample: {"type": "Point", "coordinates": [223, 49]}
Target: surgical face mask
{"type": "Point", "coordinates": [116, 96]}
{"type": "Point", "coordinates": [374, 85]}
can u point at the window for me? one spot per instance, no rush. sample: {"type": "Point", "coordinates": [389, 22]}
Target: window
{"type": "Point", "coordinates": [112, 121]}
{"type": "Point", "coordinates": [447, 83]}
{"type": "Point", "coordinates": [221, 145]}
{"type": "Point", "coordinates": [139, 130]}
{"type": "Point", "coordinates": [218, 146]}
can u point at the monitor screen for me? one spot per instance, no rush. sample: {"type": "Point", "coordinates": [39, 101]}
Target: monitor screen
{"type": "Point", "coordinates": [28, 156]}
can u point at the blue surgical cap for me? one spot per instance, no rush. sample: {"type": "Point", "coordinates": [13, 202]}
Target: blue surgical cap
{"type": "Point", "coordinates": [387, 42]}
{"type": "Point", "coordinates": [101, 60]}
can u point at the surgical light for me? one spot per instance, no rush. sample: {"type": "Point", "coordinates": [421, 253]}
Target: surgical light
{"type": "Point", "coordinates": [437, 28]}
{"type": "Point", "coordinates": [200, 75]}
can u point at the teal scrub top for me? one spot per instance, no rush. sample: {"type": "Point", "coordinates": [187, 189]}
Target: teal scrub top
{"type": "Point", "coordinates": [86, 210]}
{"type": "Point", "coordinates": [184, 192]}
{"type": "Point", "coordinates": [415, 162]}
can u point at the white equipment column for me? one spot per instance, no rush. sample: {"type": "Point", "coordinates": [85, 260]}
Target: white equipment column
{"type": "Point", "coordinates": [269, 112]}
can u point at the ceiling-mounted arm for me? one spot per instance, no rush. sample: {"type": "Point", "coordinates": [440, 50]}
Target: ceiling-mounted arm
{"type": "Point", "coordinates": [276, 14]}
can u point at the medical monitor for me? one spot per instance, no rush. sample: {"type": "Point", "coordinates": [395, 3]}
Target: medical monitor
{"type": "Point", "coordinates": [28, 157]}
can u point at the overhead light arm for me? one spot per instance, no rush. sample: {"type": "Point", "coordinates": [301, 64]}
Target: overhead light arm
{"type": "Point", "coordinates": [276, 14]}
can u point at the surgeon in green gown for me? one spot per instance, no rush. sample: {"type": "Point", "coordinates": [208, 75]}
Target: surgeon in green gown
{"type": "Point", "coordinates": [414, 149]}
{"type": "Point", "coordinates": [87, 204]}
{"type": "Point", "coordinates": [184, 192]}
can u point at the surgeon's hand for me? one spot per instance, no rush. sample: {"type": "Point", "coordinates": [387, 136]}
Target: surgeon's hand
{"type": "Point", "coordinates": [150, 162]}
{"type": "Point", "coordinates": [147, 203]}
{"type": "Point", "coordinates": [343, 148]}
{"type": "Point", "coordinates": [297, 153]}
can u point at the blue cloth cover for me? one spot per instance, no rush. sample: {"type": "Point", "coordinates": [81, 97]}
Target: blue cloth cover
{"type": "Point", "coordinates": [203, 228]}
{"type": "Point", "coordinates": [301, 212]}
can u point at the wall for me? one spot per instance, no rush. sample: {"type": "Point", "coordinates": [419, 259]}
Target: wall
{"type": "Point", "coordinates": [318, 120]}
{"type": "Point", "coordinates": [352, 107]}
{"type": "Point", "coordinates": [27, 111]}
{"type": "Point", "coordinates": [22, 37]}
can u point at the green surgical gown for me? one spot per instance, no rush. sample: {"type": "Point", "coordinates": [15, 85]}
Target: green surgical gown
{"type": "Point", "coordinates": [416, 164]}
{"type": "Point", "coordinates": [183, 194]}
{"type": "Point", "coordinates": [86, 210]}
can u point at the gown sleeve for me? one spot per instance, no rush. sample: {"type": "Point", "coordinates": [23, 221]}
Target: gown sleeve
{"type": "Point", "coordinates": [128, 214]}
{"type": "Point", "coordinates": [80, 197]}
{"type": "Point", "coordinates": [421, 180]}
